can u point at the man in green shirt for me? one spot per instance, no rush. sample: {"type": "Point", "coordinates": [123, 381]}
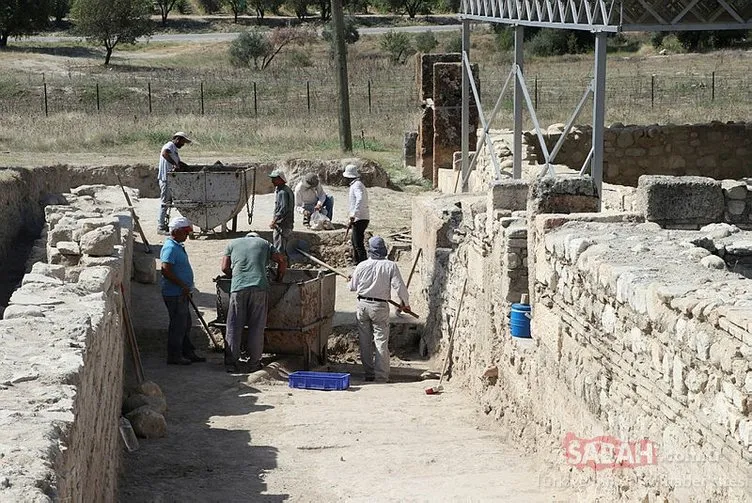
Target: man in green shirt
{"type": "Point", "coordinates": [246, 260]}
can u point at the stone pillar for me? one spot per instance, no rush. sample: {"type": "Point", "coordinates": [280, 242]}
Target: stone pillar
{"type": "Point", "coordinates": [409, 148]}
{"type": "Point", "coordinates": [424, 146]}
{"type": "Point", "coordinates": [447, 123]}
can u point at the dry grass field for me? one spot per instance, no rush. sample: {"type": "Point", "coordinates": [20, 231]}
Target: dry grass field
{"type": "Point", "coordinates": [292, 112]}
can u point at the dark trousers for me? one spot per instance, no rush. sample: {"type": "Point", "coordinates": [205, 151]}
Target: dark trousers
{"type": "Point", "coordinates": [358, 241]}
{"type": "Point", "coordinates": [178, 340]}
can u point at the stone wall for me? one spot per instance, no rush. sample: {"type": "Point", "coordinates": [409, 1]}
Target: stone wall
{"type": "Point", "coordinates": [638, 334]}
{"type": "Point", "coordinates": [716, 150]}
{"type": "Point", "coordinates": [61, 375]}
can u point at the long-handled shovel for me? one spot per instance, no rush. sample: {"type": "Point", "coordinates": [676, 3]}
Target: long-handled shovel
{"type": "Point", "coordinates": [216, 345]}
{"type": "Point", "coordinates": [133, 214]}
{"type": "Point", "coordinates": [435, 390]}
{"type": "Point", "coordinates": [295, 248]}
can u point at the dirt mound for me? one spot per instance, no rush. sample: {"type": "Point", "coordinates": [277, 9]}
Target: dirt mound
{"type": "Point", "coordinates": [330, 172]}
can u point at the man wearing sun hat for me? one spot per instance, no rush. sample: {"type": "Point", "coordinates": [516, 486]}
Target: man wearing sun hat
{"type": "Point", "coordinates": [177, 285]}
{"type": "Point", "coordinates": [284, 216]}
{"type": "Point", "coordinates": [169, 161]}
{"type": "Point", "coordinates": [358, 213]}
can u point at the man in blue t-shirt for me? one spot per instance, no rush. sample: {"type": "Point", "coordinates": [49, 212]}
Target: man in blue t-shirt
{"type": "Point", "coordinates": [177, 285]}
{"type": "Point", "coordinates": [246, 260]}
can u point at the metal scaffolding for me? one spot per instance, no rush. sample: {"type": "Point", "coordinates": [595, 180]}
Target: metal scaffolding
{"type": "Point", "coordinates": [600, 17]}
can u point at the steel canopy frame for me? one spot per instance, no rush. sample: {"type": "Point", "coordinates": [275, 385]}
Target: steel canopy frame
{"type": "Point", "coordinates": [599, 17]}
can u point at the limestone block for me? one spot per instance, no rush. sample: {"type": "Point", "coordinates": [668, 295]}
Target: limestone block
{"type": "Point", "coordinates": [99, 242]}
{"type": "Point", "coordinates": [60, 232]}
{"type": "Point", "coordinates": [53, 271]}
{"type": "Point", "coordinates": [147, 423]}
{"type": "Point", "coordinates": [23, 311]}
{"type": "Point", "coordinates": [740, 248]}
{"type": "Point", "coordinates": [733, 189]}
{"type": "Point", "coordinates": [447, 98]}
{"type": "Point", "coordinates": [149, 388]}
{"type": "Point", "coordinates": [32, 278]}
{"type": "Point", "coordinates": [424, 75]}
{"type": "Point", "coordinates": [678, 373]}
{"type": "Point", "coordinates": [748, 383]}
{"type": "Point", "coordinates": [745, 432]}
{"type": "Point", "coordinates": [69, 248]}
{"type": "Point", "coordinates": [562, 195]}
{"type": "Point", "coordinates": [713, 262]}
{"type": "Point", "coordinates": [95, 279]}
{"type": "Point", "coordinates": [736, 207]}
{"type": "Point", "coordinates": [144, 268]}
{"type": "Point", "coordinates": [156, 403]}
{"type": "Point", "coordinates": [680, 200]}
{"type": "Point", "coordinates": [409, 148]}
{"type": "Point", "coordinates": [508, 194]}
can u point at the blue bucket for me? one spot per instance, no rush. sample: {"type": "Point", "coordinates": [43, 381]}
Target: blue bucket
{"type": "Point", "coordinates": [519, 321]}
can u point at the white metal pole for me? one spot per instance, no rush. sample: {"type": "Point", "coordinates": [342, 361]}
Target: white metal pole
{"type": "Point", "coordinates": [599, 113]}
{"type": "Point", "coordinates": [465, 103]}
{"type": "Point", "coordinates": [519, 32]}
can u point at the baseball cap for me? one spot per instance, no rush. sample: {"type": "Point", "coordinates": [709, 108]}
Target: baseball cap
{"type": "Point", "coordinates": [278, 173]}
{"type": "Point", "coordinates": [179, 223]}
{"type": "Point", "coordinates": [183, 136]}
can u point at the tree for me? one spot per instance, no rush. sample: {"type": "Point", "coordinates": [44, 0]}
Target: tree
{"type": "Point", "coordinates": [299, 7]}
{"type": "Point", "coordinates": [262, 6]}
{"type": "Point", "coordinates": [397, 45]}
{"type": "Point", "coordinates": [409, 7]}
{"type": "Point", "coordinates": [22, 17]}
{"type": "Point", "coordinates": [325, 9]}
{"type": "Point", "coordinates": [210, 6]}
{"type": "Point", "coordinates": [165, 6]}
{"type": "Point", "coordinates": [60, 9]}
{"type": "Point", "coordinates": [351, 31]}
{"type": "Point", "coordinates": [237, 7]}
{"type": "Point", "coordinates": [260, 49]}
{"type": "Point", "coordinates": [112, 22]}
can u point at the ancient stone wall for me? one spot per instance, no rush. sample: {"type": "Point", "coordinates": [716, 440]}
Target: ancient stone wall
{"type": "Point", "coordinates": [638, 334]}
{"type": "Point", "coordinates": [61, 375]}
{"type": "Point", "coordinates": [716, 150]}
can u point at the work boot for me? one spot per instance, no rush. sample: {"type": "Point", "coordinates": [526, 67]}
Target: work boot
{"type": "Point", "coordinates": [178, 361]}
{"type": "Point", "coordinates": [193, 357]}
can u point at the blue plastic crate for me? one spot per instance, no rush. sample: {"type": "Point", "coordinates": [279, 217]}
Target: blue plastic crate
{"type": "Point", "coordinates": [319, 380]}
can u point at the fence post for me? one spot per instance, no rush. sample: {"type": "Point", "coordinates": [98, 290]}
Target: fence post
{"type": "Point", "coordinates": [46, 113]}
{"type": "Point", "coordinates": [97, 96]}
{"type": "Point", "coordinates": [308, 94]}
{"type": "Point", "coordinates": [652, 91]}
{"type": "Point", "coordinates": [535, 106]}
{"type": "Point", "coordinates": [202, 98]}
{"type": "Point", "coordinates": [369, 96]}
{"type": "Point", "coordinates": [712, 88]}
{"type": "Point", "coordinates": [255, 101]}
{"type": "Point", "coordinates": [148, 85]}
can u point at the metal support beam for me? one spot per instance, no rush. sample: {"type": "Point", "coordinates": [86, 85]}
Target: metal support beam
{"type": "Point", "coordinates": [519, 33]}
{"type": "Point", "coordinates": [599, 113]}
{"type": "Point", "coordinates": [465, 105]}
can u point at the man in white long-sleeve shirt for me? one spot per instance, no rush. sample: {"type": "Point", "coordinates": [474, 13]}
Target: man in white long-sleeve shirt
{"type": "Point", "coordinates": [373, 280]}
{"type": "Point", "coordinates": [169, 160]}
{"type": "Point", "coordinates": [358, 213]}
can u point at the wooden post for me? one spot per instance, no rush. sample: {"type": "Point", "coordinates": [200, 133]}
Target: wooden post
{"type": "Point", "coordinates": [149, 90]}
{"type": "Point", "coordinates": [255, 102]}
{"type": "Point", "coordinates": [369, 96]}
{"type": "Point", "coordinates": [712, 88]}
{"type": "Point", "coordinates": [343, 89]}
{"type": "Point", "coordinates": [46, 111]}
{"type": "Point", "coordinates": [97, 96]}
{"type": "Point", "coordinates": [536, 93]}
{"type": "Point", "coordinates": [652, 91]}
{"type": "Point", "coordinates": [308, 95]}
{"type": "Point", "coordinates": [202, 98]}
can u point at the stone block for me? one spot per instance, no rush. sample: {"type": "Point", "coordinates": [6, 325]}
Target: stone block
{"type": "Point", "coordinates": [53, 271]}
{"type": "Point", "coordinates": [563, 195]}
{"type": "Point", "coordinates": [447, 102]}
{"type": "Point", "coordinates": [508, 195]}
{"type": "Point", "coordinates": [735, 207]}
{"type": "Point", "coordinates": [144, 268]}
{"type": "Point", "coordinates": [100, 242]}
{"type": "Point", "coordinates": [424, 146]}
{"type": "Point", "coordinates": [671, 200]}
{"type": "Point", "coordinates": [147, 423]}
{"type": "Point", "coordinates": [95, 279]}
{"type": "Point", "coordinates": [68, 248]}
{"type": "Point", "coordinates": [733, 189]}
{"type": "Point", "coordinates": [425, 74]}
{"type": "Point", "coordinates": [409, 146]}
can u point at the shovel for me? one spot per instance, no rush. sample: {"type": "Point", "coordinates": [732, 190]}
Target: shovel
{"type": "Point", "coordinates": [296, 249]}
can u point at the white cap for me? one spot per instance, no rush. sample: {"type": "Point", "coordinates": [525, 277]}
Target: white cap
{"type": "Point", "coordinates": [351, 171]}
{"type": "Point", "coordinates": [179, 223]}
{"type": "Point", "coordinates": [183, 136]}
{"type": "Point", "coordinates": [278, 173]}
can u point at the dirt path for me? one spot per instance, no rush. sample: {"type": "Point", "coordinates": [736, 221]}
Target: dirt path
{"type": "Point", "coordinates": [229, 440]}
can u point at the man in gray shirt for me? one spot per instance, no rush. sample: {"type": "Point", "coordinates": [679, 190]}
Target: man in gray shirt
{"type": "Point", "coordinates": [373, 280]}
{"type": "Point", "coordinates": [284, 216]}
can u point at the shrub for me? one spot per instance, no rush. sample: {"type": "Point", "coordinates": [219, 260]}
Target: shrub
{"type": "Point", "coordinates": [248, 48]}
{"type": "Point", "coordinates": [299, 59]}
{"type": "Point", "coordinates": [454, 44]}
{"type": "Point", "coordinates": [550, 42]}
{"type": "Point", "coordinates": [397, 46]}
{"type": "Point", "coordinates": [351, 31]}
{"type": "Point", "coordinates": [210, 6]}
{"type": "Point", "coordinates": [425, 42]}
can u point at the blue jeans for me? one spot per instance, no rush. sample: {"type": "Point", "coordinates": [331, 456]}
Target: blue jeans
{"type": "Point", "coordinates": [327, 209]}
{"type": "Point", "coordinates": [178, 340]}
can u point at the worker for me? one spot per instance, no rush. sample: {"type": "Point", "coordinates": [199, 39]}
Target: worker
{"type": "Point", "coordinates": [169, 161]}
{"type": "Point", "coordinates": [373, 280]}
{"type": "Point", "coordinates": [310, 197]}
{"type": "Point", "coordinates": [246, 260]}
{"type": "Point", "coordinates": [358, 213]}
{"type": "Point", "coordinates": [177, 286]}
{"type": "Point", "coordinates": [283, 219]}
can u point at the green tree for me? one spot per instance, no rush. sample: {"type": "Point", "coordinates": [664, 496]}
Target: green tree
{"type": "Point", "coordinates": [237, 7]}
{"type": "Point", "coordinates": [60, 9]}
{"type": "Point", "coordinates": [409, 7]}
{"type": "Point", "coordinates": [165, 6]}
{"type": "Point", "coordinates": [397, 46]}
{"type": "Point", "coordinates": [426, 42]}
{"type": "Point", "coordinates": [112, 22]}
{"type": "Point", "coordinates": [260, 49]}
{"type": "Point", "coordinates": [262, 6]}
{"type": "Point", "coordinates": [299, 7]}
{"type": "Point", "coordinates": [210, 6]}
{"type": "Point", "coordinates": [22, 17]}
{"type": "Point", "coordinates": [351, 31]}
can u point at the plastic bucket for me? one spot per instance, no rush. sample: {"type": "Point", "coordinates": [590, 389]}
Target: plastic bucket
{"type": "Point", "coordinates": [519, 321]}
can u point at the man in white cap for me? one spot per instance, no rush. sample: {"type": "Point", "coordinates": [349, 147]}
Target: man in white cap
{"type": "Point", "coordinates": [284, 216]}
{"type": "Point", "coordinates": [177, 285]}
{"type": "Point", "coordinates": [169, 161]}
{"type": "Point", "coordinates": [310, 198]}
{"type": "Point", "coordinates": [358, 213]}
{"type": "Point", "coordinates": [246, 260]}
{"type": "Point", "coordinates": [373, 280]}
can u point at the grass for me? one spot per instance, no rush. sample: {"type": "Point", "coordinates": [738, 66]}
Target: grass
{"type": "Point", "coordinates": [276, 121]}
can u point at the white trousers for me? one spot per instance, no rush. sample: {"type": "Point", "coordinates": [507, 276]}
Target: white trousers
{"type": "Point", "coordinates": [373, 336]}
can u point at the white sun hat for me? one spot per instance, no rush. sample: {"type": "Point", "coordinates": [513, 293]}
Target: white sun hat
{"type": "Point", "coordinates": [351, 171]}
